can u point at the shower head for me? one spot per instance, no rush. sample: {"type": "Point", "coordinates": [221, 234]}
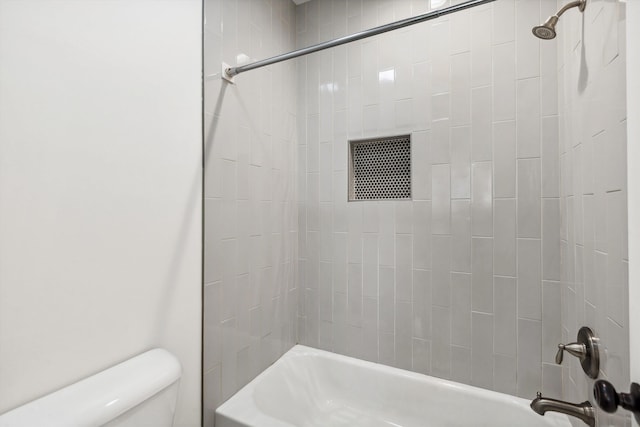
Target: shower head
{"type": "Point", "coordinates": [547, 31]}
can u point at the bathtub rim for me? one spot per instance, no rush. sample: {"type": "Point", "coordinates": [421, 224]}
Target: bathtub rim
{"type": "Point", "coordinates": [238, 402]}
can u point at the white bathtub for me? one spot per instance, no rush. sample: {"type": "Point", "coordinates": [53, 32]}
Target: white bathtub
{"type": "Point", "coordinates": [314, 388]}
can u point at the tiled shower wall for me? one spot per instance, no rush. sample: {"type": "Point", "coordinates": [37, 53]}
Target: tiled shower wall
{"type": "Point", "coordinates": [250, 202]}
{"type": "Point", "coordinates": [462, 282]}
{"type": "Point", "coordinates": [592, 61]}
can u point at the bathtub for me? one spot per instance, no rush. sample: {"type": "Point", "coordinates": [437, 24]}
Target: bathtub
{"type": "Point", "coordinates": [313, 388]}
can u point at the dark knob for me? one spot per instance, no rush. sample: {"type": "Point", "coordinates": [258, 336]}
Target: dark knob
{"type": "Point", "coordinates": [606, 396]}
{"type": "Point", "coordinates": [609, 400]}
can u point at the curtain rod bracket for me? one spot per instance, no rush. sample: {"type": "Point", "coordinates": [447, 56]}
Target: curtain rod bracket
{"type": "Point", "coordinates": [228, 74]}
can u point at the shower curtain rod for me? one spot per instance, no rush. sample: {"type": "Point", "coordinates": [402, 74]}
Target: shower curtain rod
{"type": "Point", "coordinates": [229, 72]}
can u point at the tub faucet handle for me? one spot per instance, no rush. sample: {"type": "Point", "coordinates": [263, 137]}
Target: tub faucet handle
{"type": "Point", "coordinates": [576, 349]}
{"type": "Point", "coordinates": [585, 349]}
{"type": "Point", "coordinates": [609, 399]}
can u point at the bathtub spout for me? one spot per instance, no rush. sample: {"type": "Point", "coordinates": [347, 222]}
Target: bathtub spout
{"type": "Point", "coordinates": [583, 410]}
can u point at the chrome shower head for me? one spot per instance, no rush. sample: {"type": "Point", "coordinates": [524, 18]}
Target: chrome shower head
{"type": "Point", "coordinates": [547, 31]}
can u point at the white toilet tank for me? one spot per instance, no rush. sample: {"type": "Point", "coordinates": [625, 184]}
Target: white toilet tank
{"type": "Point", "coordinates": [139, 392]}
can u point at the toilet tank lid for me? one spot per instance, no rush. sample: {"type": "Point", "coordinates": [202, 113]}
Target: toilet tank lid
{"type": "Point", "coordinates": [102, 397]}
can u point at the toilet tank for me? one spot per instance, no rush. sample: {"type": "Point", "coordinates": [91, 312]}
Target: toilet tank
{"type": "Point", "coordinates": [138, 392]}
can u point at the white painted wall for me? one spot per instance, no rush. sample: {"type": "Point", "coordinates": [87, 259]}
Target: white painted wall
{"type": "Point", "coordinates": [633, 179]}
{"type": "Point", "coordinates": [100, 191]}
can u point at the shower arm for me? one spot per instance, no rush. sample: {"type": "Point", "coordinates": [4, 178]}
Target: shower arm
{"type": "Point", "coordinates": [228, 73]}
{"type": "Point", "coordinates": [575, 3]}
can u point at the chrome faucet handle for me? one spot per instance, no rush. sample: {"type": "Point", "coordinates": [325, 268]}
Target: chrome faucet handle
{"type": "Point", "coordinates": [585, 349]}
{"type": "Point", "coordinates": [576, 349]}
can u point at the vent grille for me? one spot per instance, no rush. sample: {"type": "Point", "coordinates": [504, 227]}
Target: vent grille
{"type": "Point", "coordinates": [380, 169]}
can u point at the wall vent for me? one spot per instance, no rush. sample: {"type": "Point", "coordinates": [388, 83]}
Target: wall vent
{"type": "Point", "coordinates": [380, 168]}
